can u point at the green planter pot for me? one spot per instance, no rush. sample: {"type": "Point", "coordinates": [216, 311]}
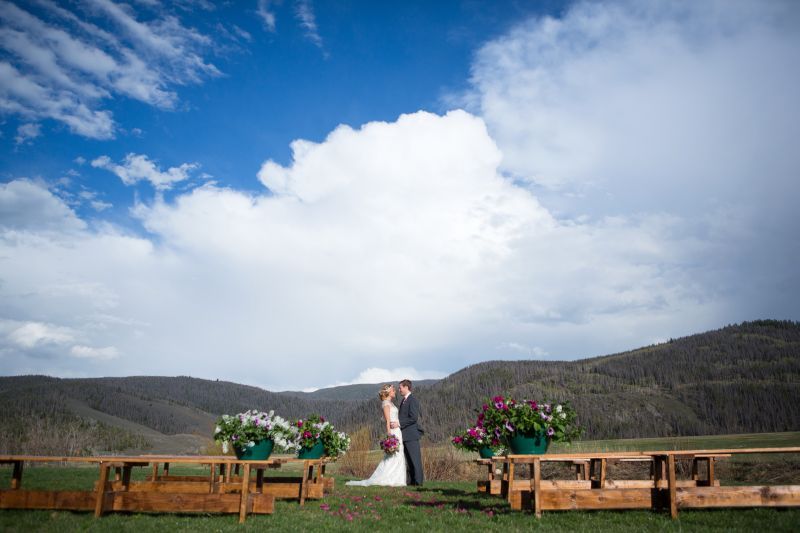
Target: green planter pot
{"type": "Point", "coordinates": [315, 452]}
{"type": "Point", "coordinates": [260, 452]}
{"type": "Point", "coordinates": [534, 443]}
{"type": "Point", "coordinates": [486, 453]}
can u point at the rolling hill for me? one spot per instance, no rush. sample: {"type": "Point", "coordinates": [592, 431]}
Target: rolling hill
{"type": "Point", "coordinates": [739, 379]}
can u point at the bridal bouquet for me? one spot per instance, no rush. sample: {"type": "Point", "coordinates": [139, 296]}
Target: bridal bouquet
{"type": "Point", "coordinates": [390, 445]}
{"type": "Point", "coordinates": [245, 429]}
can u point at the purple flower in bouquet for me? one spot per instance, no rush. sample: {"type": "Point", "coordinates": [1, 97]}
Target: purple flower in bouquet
{"type": "Point", "coordinates": [391, 444]}
{"type": "Point", "coordinates": [551, 432]}
{"type": "Point", "coordinates": [510, 427]}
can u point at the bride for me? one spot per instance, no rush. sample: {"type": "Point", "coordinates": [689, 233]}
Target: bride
{"type": "Point", "coordinates": [391, 471]}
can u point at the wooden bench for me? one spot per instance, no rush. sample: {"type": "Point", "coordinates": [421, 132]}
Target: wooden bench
{"type": "Point", "coordinates": [311, 484]}
{"type": "Point", "coordinates": [230, 486]}
{"type": "Point", "coordinates": [662, 491]}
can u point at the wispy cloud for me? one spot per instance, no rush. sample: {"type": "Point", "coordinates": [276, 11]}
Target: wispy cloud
{"type": "Point", "coordinates": [137, 167]}
{"type": "Point", "coordinates": [304, 12]}
{"type": "Point", "coordinates": [27, 132]}
{"type": "Point", "coordinates": [61, 64]}
{"type": "Point", "coordinates": [266, 15]}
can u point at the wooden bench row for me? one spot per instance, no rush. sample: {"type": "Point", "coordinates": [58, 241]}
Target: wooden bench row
{"type": "Point", "coordinates": [591, 489]}
{"type": "Point", "coordinates": [232, 486]}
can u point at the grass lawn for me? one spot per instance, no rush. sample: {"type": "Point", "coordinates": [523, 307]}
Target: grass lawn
{"type": "Point", "coordinates": [438, 506]}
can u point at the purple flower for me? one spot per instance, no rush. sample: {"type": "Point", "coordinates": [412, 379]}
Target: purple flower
{"type": "Point", "coordinates": [547, 407]}
{"type": "Point", "coordinates": [551, 432]}
{"type": "Point", "coordinates": [509, 426]}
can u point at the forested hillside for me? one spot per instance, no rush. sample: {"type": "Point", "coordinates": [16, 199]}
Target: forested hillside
{"type": "Point", "coordinates": [743, 378]}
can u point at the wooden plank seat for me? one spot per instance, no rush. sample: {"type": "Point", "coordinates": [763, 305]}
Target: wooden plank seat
{"type": "Point", "coordinates": [661, 492]}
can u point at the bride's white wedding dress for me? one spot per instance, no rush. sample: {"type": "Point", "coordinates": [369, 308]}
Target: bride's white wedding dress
{"type": "Point", "coordinates": [391, 471]}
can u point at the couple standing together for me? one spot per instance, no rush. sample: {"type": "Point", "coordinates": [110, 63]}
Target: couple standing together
{"type": "Point", "coordinates": [405, 466]}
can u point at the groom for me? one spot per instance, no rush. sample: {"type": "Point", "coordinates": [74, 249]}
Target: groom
{"type": "Point", "coordinates": [409, 415]}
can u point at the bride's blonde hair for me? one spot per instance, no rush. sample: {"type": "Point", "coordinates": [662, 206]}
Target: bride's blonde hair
{"type": "Point", "coordinates": [384, 392]}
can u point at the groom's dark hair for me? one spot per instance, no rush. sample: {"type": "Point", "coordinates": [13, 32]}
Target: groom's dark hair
{"type": "Point", "coordinates": [406, 383]}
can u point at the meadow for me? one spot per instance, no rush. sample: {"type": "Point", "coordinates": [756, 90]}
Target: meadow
{"type": "Point", "coordinates": [438, 506]}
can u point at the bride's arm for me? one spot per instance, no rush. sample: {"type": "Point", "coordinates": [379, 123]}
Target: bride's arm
{"type": "Point", "coordinates": [387, 417]}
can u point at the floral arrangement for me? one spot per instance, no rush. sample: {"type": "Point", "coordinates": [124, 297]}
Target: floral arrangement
{"type": "Point", "coordinates": [475, 438]}
{"type": "Point", "coordinates": [502, 417]}
{"type": "Point", "coordinates": [315, 428]}
{"type": "Point", "coordinates": [245, 429]}
{"type": "Point", "coordinates": [390, 445]}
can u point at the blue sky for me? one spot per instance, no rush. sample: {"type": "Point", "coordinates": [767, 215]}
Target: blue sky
{"type": "Point", "coordinates": [365, 191]}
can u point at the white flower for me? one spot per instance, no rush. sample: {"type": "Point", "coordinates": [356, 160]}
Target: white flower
{"type": "Point", "coordinates": [217, 430]}
{"type": "Point", "coordinates": [563, 415]}
{"type": "Point", "coordinates": [558, 408]}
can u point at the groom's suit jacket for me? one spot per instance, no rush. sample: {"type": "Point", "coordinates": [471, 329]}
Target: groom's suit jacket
{"type": "Point", "coordinates": [408, 416]}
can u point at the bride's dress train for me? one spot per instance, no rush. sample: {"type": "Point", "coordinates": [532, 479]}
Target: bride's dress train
{"type": "Point", "coordinates": [391, 471]}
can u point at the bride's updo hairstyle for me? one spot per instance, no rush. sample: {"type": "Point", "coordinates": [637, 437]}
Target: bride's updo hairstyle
{"type": "Point", "coordinates": [384, 392]}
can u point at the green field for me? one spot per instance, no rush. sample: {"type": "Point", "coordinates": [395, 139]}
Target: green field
{"type": "Point", "coordinates": [438, 506]}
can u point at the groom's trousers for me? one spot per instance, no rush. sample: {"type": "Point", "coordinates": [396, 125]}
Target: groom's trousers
{"type": "Point", "coordinates": [414, 475]}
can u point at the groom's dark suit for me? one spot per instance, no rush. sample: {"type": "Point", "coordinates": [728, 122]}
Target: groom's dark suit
{"type": "Point", "coordinates": [408, 416]}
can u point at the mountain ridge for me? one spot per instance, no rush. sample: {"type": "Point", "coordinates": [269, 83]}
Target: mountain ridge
{"type": "Point", "coordinates": [738, 379]}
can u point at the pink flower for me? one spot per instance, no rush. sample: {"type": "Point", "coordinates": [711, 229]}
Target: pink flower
{"type": "Point", "coordinates": [551, 432]}
{"type": "Point", "coordinates": [325, 507]}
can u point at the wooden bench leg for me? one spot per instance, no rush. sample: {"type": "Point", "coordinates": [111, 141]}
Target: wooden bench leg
{"type": "Point", "coordinates": [603, 465]}
{"type": "Point", "coordinates": [245, 493]}
{"type": "Point", "coordinates": [711, 476]}
{"type": "Point", "coordinates": [100, 498]}
{"type": "Point", "coordinates": [304, 484]}
{"type": "Point", "coordinates": [673, 500]}
{"type": "Point", "coordinates": [154, 476]}
{"type": "Point", "coordinates": [259, 480]}
{"type": "Point", "coordinates": [16, 477]}
{"type": "Point", "coordinates": [212, 481]}
{"type": "Point", "coordinates": [510, 482]}
{"type": "Point", "coordinates": [537, 487]}
{"type": "Point", "coordinates": [126, 477]}
{"type": "Point", "coordinates": [166, 469]}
